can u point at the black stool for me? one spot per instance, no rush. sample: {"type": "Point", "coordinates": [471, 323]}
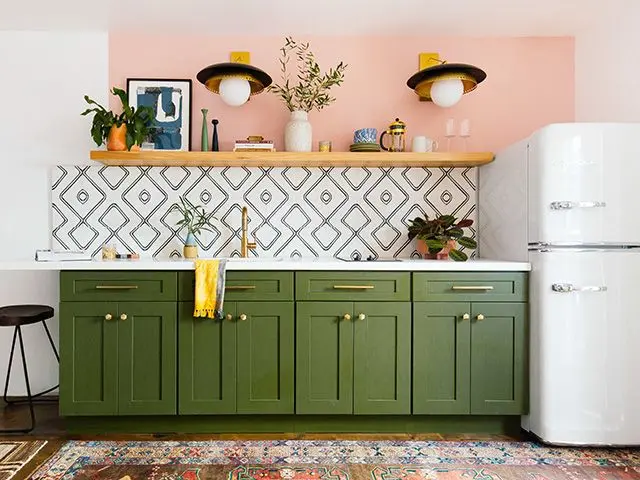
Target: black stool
{"type": "Point", "coordinates": [17, 316]}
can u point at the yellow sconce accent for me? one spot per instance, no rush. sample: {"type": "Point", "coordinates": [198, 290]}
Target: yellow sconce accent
{"type": "Point", "coordinates": [428, 60]}
{"type": "Point", "coordinates": [240, 57]}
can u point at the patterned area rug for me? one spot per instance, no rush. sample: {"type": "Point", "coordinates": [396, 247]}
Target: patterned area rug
{"type": "Point", "coordinates": [336, 460]}
{"type": "Point", "coordinates": [15, 454]}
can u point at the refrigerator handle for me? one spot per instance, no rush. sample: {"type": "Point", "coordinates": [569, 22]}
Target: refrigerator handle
{"type": "Point", "coordinates": [566, 205]}
{"type": "Point", "coordinates": [570, 288]}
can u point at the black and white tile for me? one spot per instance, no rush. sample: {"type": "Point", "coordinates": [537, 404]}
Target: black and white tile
{"type": "Point", "coordinates": [292, 211]}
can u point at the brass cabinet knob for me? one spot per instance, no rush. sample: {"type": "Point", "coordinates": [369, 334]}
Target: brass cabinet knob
{"type": "Point", "coordinates": [229, 317]}
{"type": "Point", "coordinates": [480, 317]}
{"type": "Point", "coordinates": [108, 316]}
{"type": "Point", "coordinates": [347, 316]}
{"type": "Point", "coordinates": [123, 316]}
{"type": "Point", "coordinates": [466, 316]}
{"type": "Point", "coordinates": [362, 316]}
{"type": "Point", "coordinates": [243, 317]}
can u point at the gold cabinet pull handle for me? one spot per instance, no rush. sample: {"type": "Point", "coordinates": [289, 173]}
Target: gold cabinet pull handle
{"type": "Point", "coordinates": [243, 317]}
{"type": "Point", "coordinates": [229, 317]}
{"type": "Point", "coordinates": [116, 287]}
{"type": "Point", "coordinates": [347, 316]}
{"type": "Point", "coordinates": [466, 316]}
{"type": "Point", "coordinates": [240, 287]}
{"type": "Point", "coordinates": [123, 316]}
{"type": "Point", "coordinates": [108, 316]}
{"type": "Point", "coordinates": [472, 287]}
{"type": "Point", "coordinates": [354, 287]}
{"type": "Point", "coordinates": [480, 317]}
{"type": "Point", "coordinates": [362, 316]}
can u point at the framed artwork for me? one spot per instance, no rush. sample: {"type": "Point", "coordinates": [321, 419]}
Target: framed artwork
{"type": "Point", "coordinates": [171, 101]}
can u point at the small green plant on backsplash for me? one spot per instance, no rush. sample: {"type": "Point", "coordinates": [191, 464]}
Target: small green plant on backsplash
{"type": "Point", "coordinates": [137, 120]}
{"type": "Point", "coordinates": [440, 233]}
{"type": "Point", "coordinates": [311, 91]}
{"type": "Point", "coordinates": [194, 218]}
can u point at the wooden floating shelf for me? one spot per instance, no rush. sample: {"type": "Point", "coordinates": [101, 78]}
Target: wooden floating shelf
{"type": "Point", "coordinates": [163, 158]}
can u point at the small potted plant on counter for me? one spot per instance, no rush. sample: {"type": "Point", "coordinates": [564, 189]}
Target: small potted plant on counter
{"type": "Point", "coordinates": [439, 237]}
{"type": "Point", "coordinates": [122, 131]}
{"type": "Point", "coordinates": [195, 220]}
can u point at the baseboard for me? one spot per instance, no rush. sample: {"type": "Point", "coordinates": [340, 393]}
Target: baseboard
{"type": "Point", "coordinates": [471, 424]}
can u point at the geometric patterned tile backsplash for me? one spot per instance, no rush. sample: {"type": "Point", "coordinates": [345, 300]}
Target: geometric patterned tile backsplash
{"type": "Point", "coordinates": [308, 212]}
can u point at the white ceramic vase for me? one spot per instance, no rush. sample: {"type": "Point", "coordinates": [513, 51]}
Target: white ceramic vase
{"type": "Point", "coordinates": [297, 133]}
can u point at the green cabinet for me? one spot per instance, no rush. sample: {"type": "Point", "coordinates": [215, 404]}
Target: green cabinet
{"type": "Point", "coordinates": [243, 364]}
{"type": "Point", "coordinates": [207, 363]}
{"type": "Point", "coordinates": [118, 358]}
{"type": "Point", "coordinates": [353, 358]}
{"type": "Point", "coordinates": [499, 367]}
{"type": "Point", "coordinates": [469, 358]}
{"type": "Point", "coordinates": [324, 358]}
{"type": "Point", "coordinates": [88, 359]}
{"type": "Point", "coordinates": [441, 358]}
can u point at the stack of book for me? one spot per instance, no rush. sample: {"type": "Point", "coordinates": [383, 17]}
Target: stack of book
{"type": "Point", "coordinates": [254, 145]}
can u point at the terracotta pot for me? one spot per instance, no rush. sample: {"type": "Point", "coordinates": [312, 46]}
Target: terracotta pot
{"type": "Point", "coordinates": [117, 139]}
{"type": "Point", "coordinates": [421, 247]}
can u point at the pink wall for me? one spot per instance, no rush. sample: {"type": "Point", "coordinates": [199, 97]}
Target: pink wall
{"type": "Point", "coordinates": [530, 82]}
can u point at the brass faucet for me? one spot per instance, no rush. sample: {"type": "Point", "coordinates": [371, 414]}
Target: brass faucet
{"type": "Point", "coordinates": [245, 244]}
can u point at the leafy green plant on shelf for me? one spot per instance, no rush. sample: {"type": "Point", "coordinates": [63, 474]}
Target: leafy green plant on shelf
{"type": "Point", "coordinates": [439, 237]}
{"type": "Point", "coordinates": [311, 88]}
{"type": "Point", "coordinates": [195, 219]}
{"type": "Point", "coordinates": [119, 131]}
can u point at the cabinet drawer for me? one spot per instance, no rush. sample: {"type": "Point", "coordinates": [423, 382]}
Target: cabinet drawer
{"type": "Point", "coordinates": [470, 287]}
{"type": "Point", "coordinates": [119, 285]}
{"type": "Point", "coordinates": [361, 286]}
{"type": "Point", "coordinates": [243, 285]}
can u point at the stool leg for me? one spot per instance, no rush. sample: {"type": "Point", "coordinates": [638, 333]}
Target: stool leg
{"type": "Point", "coordinates": [46, 329]}
{"type": "Point", "coordinates": [26, 379]}
{"type": "Point", "coordinates": [6, 383]}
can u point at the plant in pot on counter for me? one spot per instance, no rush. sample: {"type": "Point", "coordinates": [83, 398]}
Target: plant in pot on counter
{"type": "Point", "coordinates": [438, 238]}
{"type": "Point", "coordinates": [122, 131]}
{"type": "Point", "coordinates": [305, 90]}
{"type": "Point", "coordinates": [195, 219]}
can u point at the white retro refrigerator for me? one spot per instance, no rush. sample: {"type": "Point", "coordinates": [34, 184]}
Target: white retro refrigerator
{"type": "Point", "coordinates": [567, 199]}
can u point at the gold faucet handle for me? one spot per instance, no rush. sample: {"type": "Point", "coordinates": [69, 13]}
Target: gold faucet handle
{"type": "Point", "coordinates": [251, 245]}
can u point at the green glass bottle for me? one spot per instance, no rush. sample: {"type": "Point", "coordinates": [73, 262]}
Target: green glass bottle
{"type": "Point", "coordinates": [204, 141]}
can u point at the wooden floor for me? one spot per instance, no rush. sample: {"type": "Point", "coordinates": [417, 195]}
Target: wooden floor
{"type": "Point", "coordinates": [50, 426]}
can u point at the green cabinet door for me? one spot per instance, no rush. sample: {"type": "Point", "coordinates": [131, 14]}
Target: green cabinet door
{"type": "Point", "coordinates": [265, 357]}
{"type": "Point", "coordinates": [88, 358]}
{"type": "Point", "coordinates": [207, 362]}
{"type": "Point", "coordinates": [498, 358]}
{"type": "Point", "coordinates": [324, 358]}
{"type": "Point", "coordinates": [147, 342]}
{"type": "Point", "coordinates": [441, 357]}
{"type": "Point", "coordinates": [382, 358]}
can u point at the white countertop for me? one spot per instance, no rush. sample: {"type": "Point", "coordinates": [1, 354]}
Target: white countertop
{"type": "Point", "coordinates": [263, 263]}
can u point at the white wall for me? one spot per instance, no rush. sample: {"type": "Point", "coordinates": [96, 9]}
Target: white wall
{"type": "Point", "coordinates": [608, 66]}
{"type": "Point", "coordinates": [43, 78]}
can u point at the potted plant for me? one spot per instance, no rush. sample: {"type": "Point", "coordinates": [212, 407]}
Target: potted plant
{"type": "Point", "coordinates": [119, 131]}
{"type": "Point", "coordinates": [195, 220]}
{"type": "Point", "coordinates": [309, 92]}
{"type": "Point", "coordinates": [438, 238]}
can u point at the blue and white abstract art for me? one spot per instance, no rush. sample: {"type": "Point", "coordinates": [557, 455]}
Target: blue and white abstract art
{"type": "Point", "coordinates": [171, 102]}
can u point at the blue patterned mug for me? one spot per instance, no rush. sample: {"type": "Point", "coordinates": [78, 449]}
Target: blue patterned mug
{"type": "Point", "coordinates": [365, 135]}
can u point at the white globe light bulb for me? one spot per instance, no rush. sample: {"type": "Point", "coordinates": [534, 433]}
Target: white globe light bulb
{"type": "Point", "coordinates": [446, 93]}
{"type": "Point", "coordinates": [235, 91]}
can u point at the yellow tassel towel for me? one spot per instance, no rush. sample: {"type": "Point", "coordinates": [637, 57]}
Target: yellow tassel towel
{"type": "Point", "coordinates": [209, 294]}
